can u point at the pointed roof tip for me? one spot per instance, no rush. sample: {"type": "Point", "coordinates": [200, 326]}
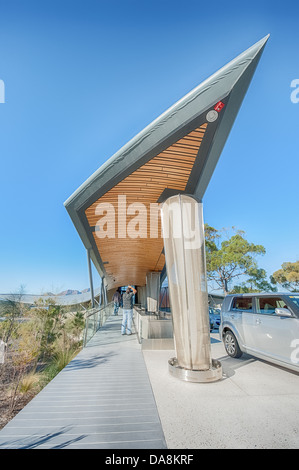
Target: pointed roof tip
{"type": "Point", "coordinates": [260, 44]}
{"type": "Point", "coordinates": [238, 64]}
{"type": "Point", "coordinates": [264, 39]}
{"type": "Point", "coordinates": [253, 51]}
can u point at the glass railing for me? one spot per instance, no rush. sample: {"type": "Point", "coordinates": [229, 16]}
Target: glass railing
{"type": "Point", "coordinates": [95, 319]}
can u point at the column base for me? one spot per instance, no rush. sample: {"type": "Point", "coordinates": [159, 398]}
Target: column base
{"type": "Point", "coordinates": [211, 375]}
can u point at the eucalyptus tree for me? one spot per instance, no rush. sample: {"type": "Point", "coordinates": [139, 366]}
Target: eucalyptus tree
{"type": "Point", "coordinates": [287, 276]}
{"type": "Point", "coordinates": [230, 258]}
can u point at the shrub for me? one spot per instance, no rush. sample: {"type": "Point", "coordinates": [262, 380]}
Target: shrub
{"type": "Point", "coordinates": [30, 382]}
{"type": "Point", "coordinates": [60, 359]}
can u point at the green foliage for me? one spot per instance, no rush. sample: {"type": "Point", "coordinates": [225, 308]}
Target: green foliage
{"type": "Point", "coordinates": [256, 282]}
{"type": "Point", "coordinates": [287, 276]}
{"type": "Point", "coordinates": [59, 360]}
{"type": "Point", "coordinates": [78, 322]}
{"type": "Point", "coordinates": [234, 257]}
{"type": "Point", "coordinates": [74, 327]}
{"type": "Point", "coordinates": [13, 311]}
{"type": "Point", "coordinates": [30, 382]}
{"type": "Point", "coordinates": [47, 341]}
{"type": "Point", "coordinates": [47, 320]}
{"type": "Point", "coordinates": [24, 355]}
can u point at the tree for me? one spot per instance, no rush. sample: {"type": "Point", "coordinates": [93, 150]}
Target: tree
{"type": "Point", "coordinates": [75, 326]}
{"type": "Point", "coordinates": [12, 309]}
{"type": "Point", "coordinates": [256, 282]}
{"type": "Point", "coordinates": [287, 276]}
{"type": "Point", "coordinates": [48, 323]}
{"type": "Point", "coordinates": [232, 258]}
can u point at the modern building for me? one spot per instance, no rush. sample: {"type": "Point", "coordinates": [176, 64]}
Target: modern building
{"type": "Point", "coordinates": [140, 214]}
{"type": "Point", "coordinates": [177, 153]}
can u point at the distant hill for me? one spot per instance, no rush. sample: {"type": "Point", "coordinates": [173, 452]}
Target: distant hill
{"type": "Point", "coordinates": [69, 292]}
{"type": "Point", "coordinates": [73, 292]}
{"type": "Point", "coordinates": [67, 297]}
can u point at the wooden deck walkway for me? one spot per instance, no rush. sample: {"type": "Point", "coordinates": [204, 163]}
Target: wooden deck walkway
{"type": "Point", "coordinates": [102, 400]}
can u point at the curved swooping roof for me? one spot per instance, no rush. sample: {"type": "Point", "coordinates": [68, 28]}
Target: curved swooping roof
{"type": "Point", "coordinates": [176, 153]}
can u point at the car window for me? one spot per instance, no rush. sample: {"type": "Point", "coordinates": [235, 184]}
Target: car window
{"type": "Point", "coordinates": [267, 305]}
{"type": "Point", "coordinates": [242, 304]}
{"type": "Point", "coordinates": [294, 299]}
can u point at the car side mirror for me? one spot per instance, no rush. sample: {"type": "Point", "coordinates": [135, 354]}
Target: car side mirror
{"type": "Point", "coordinates": [284, 312]}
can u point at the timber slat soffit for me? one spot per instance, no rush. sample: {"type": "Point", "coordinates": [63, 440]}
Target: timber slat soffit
{"type": "Point", "coordinates": [161, 172]}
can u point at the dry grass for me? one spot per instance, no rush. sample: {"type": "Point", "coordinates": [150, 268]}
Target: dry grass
{"type": "Point", "coordinates": [5, 396]}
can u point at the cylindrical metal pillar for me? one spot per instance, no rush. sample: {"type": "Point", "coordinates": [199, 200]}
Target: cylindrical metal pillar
{"type": "Point", "coordinates": [183, 233]}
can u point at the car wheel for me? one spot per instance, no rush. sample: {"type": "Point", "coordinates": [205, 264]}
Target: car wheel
{"type": "Point", "coordinates": [231, 345]}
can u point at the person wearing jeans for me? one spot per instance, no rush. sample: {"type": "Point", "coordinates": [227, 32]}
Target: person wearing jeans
{"type": "Point", "coordinates": [116, 299]}
{"type": "Point", "coordinates": [126, 325]}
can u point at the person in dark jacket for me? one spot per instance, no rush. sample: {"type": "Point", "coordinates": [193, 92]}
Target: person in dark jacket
{"type": "Point", "coordinates": [126, 325]}
{"type": "Point", "coordinates": [116, 299]}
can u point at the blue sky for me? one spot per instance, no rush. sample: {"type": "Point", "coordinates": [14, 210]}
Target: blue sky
{"type": "Point", "coordinates": [83, 77]}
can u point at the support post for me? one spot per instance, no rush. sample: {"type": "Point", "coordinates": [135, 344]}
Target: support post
{"type": "Point", "coordinates": [102, 292]}
{"type": "Point", "coordinates": [104, 295]}
{"type": "Point", "coordinates": [142, 298]}
{"type": "Point", "coordinates": [90, 278]}
{"type": "Point", "coordinates": [183, 233]}
{"type": "Point", "coordinates": [153, 291]}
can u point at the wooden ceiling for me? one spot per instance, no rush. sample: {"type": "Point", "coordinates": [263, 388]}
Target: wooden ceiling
{"type": "Point", "coordinates": [127, 260]}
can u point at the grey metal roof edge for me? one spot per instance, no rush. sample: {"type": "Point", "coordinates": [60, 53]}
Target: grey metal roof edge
{"type": "Point", "coordinates": [228, 118]}
{"type": "Point", "coordinates": [86, 242]}
{"type": "Point", "coordinates": [187, 108]}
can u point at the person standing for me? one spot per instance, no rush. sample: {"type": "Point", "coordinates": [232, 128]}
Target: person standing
{"type": "Point", "coordinates": [127, 311]}
{"type": "Point", "coordinates": [116, 299]}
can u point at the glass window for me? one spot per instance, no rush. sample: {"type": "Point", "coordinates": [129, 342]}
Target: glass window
{"type": "Point", "coordinates": [267, 305]}
{"type": "Point", "coordinates": [295, 299]}
{"type": "Point", "coordinates": [242, 304]}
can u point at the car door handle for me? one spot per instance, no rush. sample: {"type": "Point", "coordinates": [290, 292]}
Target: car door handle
{"type": "Point", "coordinates": [232, 316]}
{"type": "Point", "coordinates": [258, 321]}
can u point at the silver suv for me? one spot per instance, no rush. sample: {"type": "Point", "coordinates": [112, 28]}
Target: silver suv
{"type": "Point", "coordinates": [263, 325]}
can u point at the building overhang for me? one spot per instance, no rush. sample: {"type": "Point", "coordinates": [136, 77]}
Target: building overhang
{"type": "Point", "coordinates": [177, 152]}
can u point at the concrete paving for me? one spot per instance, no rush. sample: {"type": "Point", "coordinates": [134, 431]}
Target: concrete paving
{"type": "Point", "coordinates": [254, 406]}
{"type": "Point", "coordinates": [102, 400]}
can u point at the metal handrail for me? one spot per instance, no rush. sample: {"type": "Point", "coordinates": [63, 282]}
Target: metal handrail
{"type": "Point", "coordinates": [138, 327]}
{"type": "Point", "coordinates": [95, 319]}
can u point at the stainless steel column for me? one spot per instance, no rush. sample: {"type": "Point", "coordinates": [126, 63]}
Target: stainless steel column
{"type": "Point", "coordinates": [183, 233]}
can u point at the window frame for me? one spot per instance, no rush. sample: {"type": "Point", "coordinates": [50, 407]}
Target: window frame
{"type": "Point", "coordinates": [273, 314]}
{"type": "Point", "coordinates": [236, 310]}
